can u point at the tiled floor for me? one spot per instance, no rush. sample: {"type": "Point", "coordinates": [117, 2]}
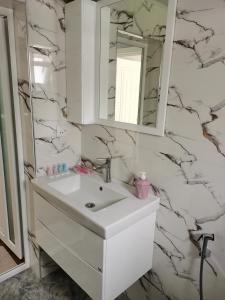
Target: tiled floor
{"type": "Point", "coordinates": [56, 286]}
{"type": "Point", "coordinates": [7, 259]}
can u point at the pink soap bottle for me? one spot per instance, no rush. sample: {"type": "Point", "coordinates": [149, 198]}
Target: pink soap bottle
{"type": "Point", "coordinates": [142, 185]}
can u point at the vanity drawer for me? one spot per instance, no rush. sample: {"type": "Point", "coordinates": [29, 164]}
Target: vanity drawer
{"type": "Point", "coordinates": [83, 274]}
{"type": "Point", "coordinates": [82, 242]}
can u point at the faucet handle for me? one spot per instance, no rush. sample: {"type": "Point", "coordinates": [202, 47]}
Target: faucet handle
{"type": "Point", "coordinates": [106, 159]}
{"type": "Point", "coordinates": [107, 166]}
{"type": "Point", "coordinates": [110, 157]}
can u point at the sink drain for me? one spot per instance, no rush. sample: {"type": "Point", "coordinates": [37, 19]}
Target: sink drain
{"type": "Point", "coordinates": [90, 205]}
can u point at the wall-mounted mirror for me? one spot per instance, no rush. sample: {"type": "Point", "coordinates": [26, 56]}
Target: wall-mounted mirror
{"type": "Point", "coordinates": [134, 55]}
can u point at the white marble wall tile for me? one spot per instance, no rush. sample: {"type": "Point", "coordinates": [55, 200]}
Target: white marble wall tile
{"type": "Point", "coordinates": [187, 165]}
{"type": "Point", "coordinates": [46, 20]}
{"type": "Point", "coordinates": [56, 140]}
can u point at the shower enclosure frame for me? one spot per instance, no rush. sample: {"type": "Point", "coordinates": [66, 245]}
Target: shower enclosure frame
{"type": "Point", "coordinates": [8, 13]}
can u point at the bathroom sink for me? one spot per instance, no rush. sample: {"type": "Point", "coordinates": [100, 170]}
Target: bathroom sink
{"type": "Point", "coordinates": [95, 230]}
{"type": "Point", "coordinates": [93, 195]}
{"type": "Point", "coordinates": [104, 208]}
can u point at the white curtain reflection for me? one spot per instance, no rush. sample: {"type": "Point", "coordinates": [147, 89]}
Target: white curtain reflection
{"type": "Point", "coordinates": [40, 70]}
{"type": "Point", "coordinates": [128, 75]}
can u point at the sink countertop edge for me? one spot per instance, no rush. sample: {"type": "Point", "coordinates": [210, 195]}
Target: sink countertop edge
{"type": "Point", "coordinates": [107, 229]}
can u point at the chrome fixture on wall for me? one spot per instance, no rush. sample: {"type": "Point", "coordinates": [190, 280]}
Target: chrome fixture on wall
{"type": "Point", "coordinates": [105, 166]}
{"type": "Point", "coordinates": [204, 254]}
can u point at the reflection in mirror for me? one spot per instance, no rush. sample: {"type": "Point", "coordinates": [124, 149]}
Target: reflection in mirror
{"type": "Point", "coordinates": [40, 71]}
{"type": "Point", "coordinates": [132, 43]}
{"type": "Point", "coordinates": [128, 79]}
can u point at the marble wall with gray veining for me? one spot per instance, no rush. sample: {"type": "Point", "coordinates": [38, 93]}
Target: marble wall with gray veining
{"type": "Point", "coordinates": [56, 139]}
{"type": "Point", "coordinates": [187, 165]}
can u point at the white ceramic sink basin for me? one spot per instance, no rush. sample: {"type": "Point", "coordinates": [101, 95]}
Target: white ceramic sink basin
{"type": "Point", "coordinates": [104, 208]}
{"type": "Point", "coordinates": [93, 195]}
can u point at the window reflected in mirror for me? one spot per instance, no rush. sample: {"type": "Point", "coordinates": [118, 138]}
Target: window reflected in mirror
{"type": "Point", "coordinates": [132, 43]}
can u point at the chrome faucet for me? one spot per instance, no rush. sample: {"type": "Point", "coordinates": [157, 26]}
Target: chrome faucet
{"type": "Point", "coordinates": [106, 166]}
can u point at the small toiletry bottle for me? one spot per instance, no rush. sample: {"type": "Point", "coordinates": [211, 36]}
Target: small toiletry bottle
{"type": "Point", "coordinates": [54, 170]}
{"type": "Point", "coordinates": [60, 168]}
{"type": "Point", "coordinates": [142, 185]}
{"type": "Point", "coordinates": [49, 171]}
{"type": "Point", "coordinates": [65, 167]}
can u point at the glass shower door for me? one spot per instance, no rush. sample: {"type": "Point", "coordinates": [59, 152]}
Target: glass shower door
{"type": "Point", "coordinates": [3, 207]}
{"type": "Point", "coordinates": [10, 231]}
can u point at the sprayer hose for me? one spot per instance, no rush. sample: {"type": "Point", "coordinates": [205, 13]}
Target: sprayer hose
{"type": "Point", "coordinates": [201, 276]}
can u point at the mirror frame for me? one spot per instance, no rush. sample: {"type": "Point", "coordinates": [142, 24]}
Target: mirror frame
{"type": "Point", "coordinates": [165, 77]}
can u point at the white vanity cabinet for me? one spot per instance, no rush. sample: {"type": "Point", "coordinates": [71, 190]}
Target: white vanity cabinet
{"type": "Point", "coordinates": [104, 268]}
{"type": "Point", "coordinates": [80, 18]}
